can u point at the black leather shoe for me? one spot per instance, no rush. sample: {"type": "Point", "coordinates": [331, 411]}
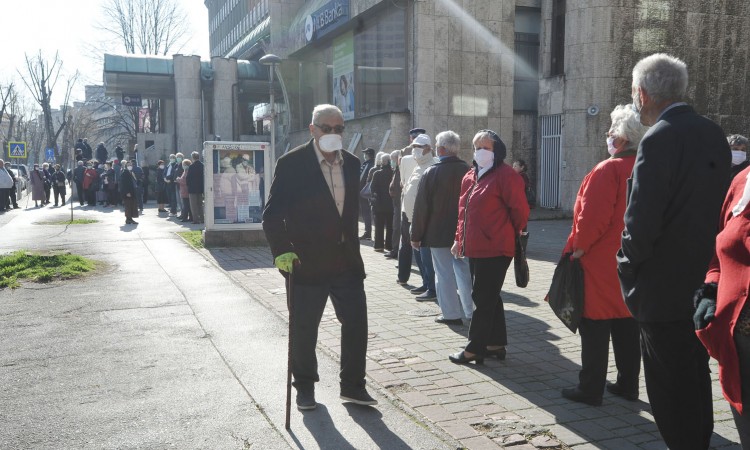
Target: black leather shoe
{"type": "Point", "coordinates": [460, 358]}
{"type": "Point", "coordinates": [441, 319]}
{"type": "Point", "coordinates": [366, 237]}
{"type": "Point", "coordinates": [426, 296]}
{"type": "Point", "coordinates": [306, 398]}
{"type": "Point", "coordinates": [497, 353]}
{"type": "Point", "coordinates": [579, 396]}
{"type": "Point", "coordinates": [419, 290]}
{"type": "Point", "coordinates": [616, 389]}
{"type": "Point", "coordinates": [358, 396]}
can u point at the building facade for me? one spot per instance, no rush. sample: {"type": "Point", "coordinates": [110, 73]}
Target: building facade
{"type": "Point", "coordinates": [544, 74]}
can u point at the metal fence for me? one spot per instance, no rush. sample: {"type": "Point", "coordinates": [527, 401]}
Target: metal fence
{"type": "Point", "coordinates": [549, 173]}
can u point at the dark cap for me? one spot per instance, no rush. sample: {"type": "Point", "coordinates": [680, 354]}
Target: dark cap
{"type": "Point", "coordinates": [417, 131]}
{"type": "Point", "coordinates": [369, 150]}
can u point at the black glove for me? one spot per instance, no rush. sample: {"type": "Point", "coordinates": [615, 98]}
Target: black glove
{"type": "Point", "coordinates": [704, 301]}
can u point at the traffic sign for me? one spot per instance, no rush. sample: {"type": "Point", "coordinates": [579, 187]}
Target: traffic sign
{"type": "Point", "coordinates": [49, 154]}
{"type": "Point", "coordinates": [17, 149]}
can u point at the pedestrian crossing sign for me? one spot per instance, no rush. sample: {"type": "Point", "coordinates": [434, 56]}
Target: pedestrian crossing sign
{"type": "Point", "coordinates": [17, 149]}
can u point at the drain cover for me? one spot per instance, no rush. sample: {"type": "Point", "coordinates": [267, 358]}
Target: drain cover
{"type": "Point", "coordinates": [425, 311]}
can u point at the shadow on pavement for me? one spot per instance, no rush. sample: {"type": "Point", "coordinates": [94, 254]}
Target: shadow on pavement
{"type": "Point", "coordinates": [371, 420]}
{"type": "Point", "coordinates": [320, 425]}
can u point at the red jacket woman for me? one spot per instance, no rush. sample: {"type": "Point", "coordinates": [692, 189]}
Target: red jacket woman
{"type": "Point", "coordinates": [597, 228]}
{"type": "Point", "coordinates": [492, 210]}
{"type": "Point", "coordinates": [730, 269]}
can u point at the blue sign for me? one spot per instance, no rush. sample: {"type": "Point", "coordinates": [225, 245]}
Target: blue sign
{"type": "Point", "coordinates": [49, 154]}
{"type": "Point", "coordinates": [17, 149]}
{"type": "Point", "coordinates": [326, 19]}
{"type": "Point", "coordinates": [132, 100]}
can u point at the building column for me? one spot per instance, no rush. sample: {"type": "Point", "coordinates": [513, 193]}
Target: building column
{"type": "Point", "coordinates": [187, 105]}
{"type": "Point", "coordinates": [226, 98]}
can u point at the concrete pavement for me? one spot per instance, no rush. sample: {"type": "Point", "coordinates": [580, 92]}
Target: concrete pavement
{"type": "Point", "coordinates": [168, 346]}
{"type": "Point", "coordinates": [160, 348]}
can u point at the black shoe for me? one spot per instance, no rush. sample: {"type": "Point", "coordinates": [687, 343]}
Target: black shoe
{"type": "Point", "coordinates": [579, 396]}
{"type": "Point", "coordinates": [358, 396]}
{"type": "Point", "coordinates": [441, 319]}
{"type": "Point", "coordinates": [390, 255]}
{"type": "Point", "coordinates": [402, 283]}
{"type": "Point", "coordinates": [614, 388]}
{"type": "Point", "coordinates": [162, 210]}
{"type": "Point", "coordinates": [497, 353]}
{"type": "Point", "coordinates": [379, 250]}
{"type": "Point", "coordinates": [306, 398]}
{"type": "Point", "coordinates": [460, 358]}
{"type": "Point", "coordinates": [185, 220]}
{"type": "Point", "coordinates": [15, 206]}
{"type": "Point", "coordinates": [426, 296]}
{"type": "Point", "coordinates": [366, 237]}
{"type": "Point", "coordinates": [419, 290]}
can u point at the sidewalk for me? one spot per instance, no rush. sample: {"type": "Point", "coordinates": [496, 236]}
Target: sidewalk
{"type": "Point", "coordinates": [514, 403]}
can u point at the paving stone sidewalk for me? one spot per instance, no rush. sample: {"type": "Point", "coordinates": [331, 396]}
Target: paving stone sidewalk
{"type": "Point", "coordinates": [514, 403]}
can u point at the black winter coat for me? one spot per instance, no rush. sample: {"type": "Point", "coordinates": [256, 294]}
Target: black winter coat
{"type": "Point", "coordinates": [381, 198]}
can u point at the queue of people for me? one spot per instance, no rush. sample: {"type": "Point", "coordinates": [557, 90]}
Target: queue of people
{"type": "Point", "coordinates": [645, 226]}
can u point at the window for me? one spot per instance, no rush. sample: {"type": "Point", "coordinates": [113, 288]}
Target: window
{"type": "Point", "coordinates": [557, 43]}
{"type": "Point", "coordinates": [526, 84]}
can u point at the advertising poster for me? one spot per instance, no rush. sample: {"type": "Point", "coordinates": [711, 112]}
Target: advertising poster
{"type": "Point", "coordinates": [238, 184]}
{"type": "Point", "coordinates": [343, 74]}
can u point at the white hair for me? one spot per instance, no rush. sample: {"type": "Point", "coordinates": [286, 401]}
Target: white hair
{"type": "Point", "coordinates": [395, 155]}
{"type": "Point", "coordinates": [737, 139]}
{"type": "Point", "coordinates": [325, 110]}
{"type": "Point", "coordinates": [626, 125]}
{"type": "Point", "coordinates": [449, 140]}
{"type": "Point", "coordinates": [383, 158]}
{"type": "Point", "coordinates": [662, 76]}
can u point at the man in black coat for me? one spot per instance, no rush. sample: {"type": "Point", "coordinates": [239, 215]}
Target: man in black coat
{"type": "Point", "coordinates": [433, 226]}
{"type": "Point", "coordinates": [88, 152]}
{"type": "Point", "coordinates": [128, 190]}
{"type": "Point", "coordinates": [679, 180]}
{"type": "Point", "coordinates": [101, 153]}
{"type": "Point", "coordinates": [311, 224]}
{"type": "Point", "coordinates": [78, 175]}
{"type": "Point", "coordinates": [195, 187]}
{"type": "Point", "coordinates": [364, 204]}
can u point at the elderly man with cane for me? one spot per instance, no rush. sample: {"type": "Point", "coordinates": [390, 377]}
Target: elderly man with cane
{"type": "Point", "coordinates": [311, 221]}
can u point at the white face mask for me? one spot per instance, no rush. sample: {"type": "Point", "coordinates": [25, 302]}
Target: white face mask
{"type": "Point", "coordinates": [484, 157]}
{"type": "Point", "coordinates": [330, 143]}
{"type": "Point", "coordinates": [611, 146]}
{"type": "Point", "coordinates": [161, 166]}
{"type": "Point", "coordinates": [738, 157]}
{"type": "Point", "coordinates": [130, 167]}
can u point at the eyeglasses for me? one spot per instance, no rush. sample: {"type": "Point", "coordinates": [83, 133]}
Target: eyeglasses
{"type": "Point", "coordinates": [327, 129]}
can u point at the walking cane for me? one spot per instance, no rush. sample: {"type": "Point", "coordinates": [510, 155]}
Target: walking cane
{"type": "Point", "coordinates": [290, 283]}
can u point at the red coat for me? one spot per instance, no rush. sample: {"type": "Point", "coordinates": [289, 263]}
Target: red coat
{"type": "Point", "coordinates": [89, 177]}
{"type": "Point", "coordinates": [730, 268]}
{"type": "Point", "coordinates": [491, 212]}
{"type": "Point", "coordinates": [597, 227]}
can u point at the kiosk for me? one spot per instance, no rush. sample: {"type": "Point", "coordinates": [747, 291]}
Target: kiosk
{"type": "Point", "coordinates": [237, 178]}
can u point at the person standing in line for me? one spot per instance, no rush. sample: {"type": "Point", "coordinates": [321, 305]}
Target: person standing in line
{"type": "Point", "coordinates": [422, 156]}
{"type": "Point", "coordinates": [146, 180]}
{"type": "Point", "coordinates": [394, 189]}
{"type": "Point", "coordinates": [36, 178]}
{"type": "Point", "coordinates": [47, 183]}
{"type": "Point", "coordinates": [382, 204]}
{"type": "Point", "coordinates": [161, 186]}
{"type": "Point", "coordinates": [88, 152]}
{"type": "Point", "coordinates": [169, 177]}
{"type": "Point", "coordinates": [492, 211]}
{"type": "Point", "coordinates": [128, 192]}
{"type": "Point", "coordinates": [58, 185]}
{"type": "Point", "coordinates": [434, 226]}
{"type": "Point", "coordinates": [738, 145]}
{"type": "Point", "coordinates": [722, 316]}
{"type": "Point", "coordinates": [679, 181]}
{"type": "Point", "coordinates": [196, 187]}
{"type": "Point", "coordinates": [406, 253]}
{"type": "Point", "coordinates": [311, 223]}
{"type": "Point", "coordinates": [6, 184]}
{"type": "Point", "coordinates": [13, 200]}
{"type": "Point", "coordinates": [364, 204]}
{"type": "Point", "coordinates": [179, 157]}
{"type": "Point", "coordinates": [101, 152]}
{"type": "Point", "coordinates": [78, 176]}
{"type": "Point", "coordinates": [182, 181]}
{"type": "Point", "coordinates": [594, 241]}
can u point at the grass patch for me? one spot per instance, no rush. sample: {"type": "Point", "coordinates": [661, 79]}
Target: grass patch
{"type": "Point", "coordinates": [194, 237]}
{"type": "Point", "coordinates": [41, 268]}
{"type": "Point", "coordinates": [69, 222]}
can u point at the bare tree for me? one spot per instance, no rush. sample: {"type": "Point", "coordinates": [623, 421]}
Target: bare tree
{"type": "Point", "coordinates": [41, 79]}
{"type": "Point", "coordinates": [144, 27]}
{"type": "Point", "coordinates": [7, 94]}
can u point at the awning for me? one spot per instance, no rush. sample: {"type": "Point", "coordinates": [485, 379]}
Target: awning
{"type": "Point", "coordinates": [147, 75]}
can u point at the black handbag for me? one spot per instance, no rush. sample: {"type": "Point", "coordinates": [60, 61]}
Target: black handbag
{"type": "Point", "coordinates": [566, 294]}
{"type": "Point", "coordinates": [520, 265]}
{"type": "Point", "coordinates": [366, 191]}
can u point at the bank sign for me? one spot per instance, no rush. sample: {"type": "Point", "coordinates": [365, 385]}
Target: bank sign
{"type": "Point", "coordinates": [326, 19]}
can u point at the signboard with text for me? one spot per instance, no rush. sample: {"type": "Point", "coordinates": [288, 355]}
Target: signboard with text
{"type": "Point", "coordinates": [326, 19]}
{"type": "Point", "coordinates": [132, 100]}
{"type": "Point", "coordinates": [343, 74]}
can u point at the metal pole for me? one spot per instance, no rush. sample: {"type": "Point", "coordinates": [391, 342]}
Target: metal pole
{"type": "Point", "coordinates": [272, 69]}
{"type": "Point", "coordinates": [290, 283]}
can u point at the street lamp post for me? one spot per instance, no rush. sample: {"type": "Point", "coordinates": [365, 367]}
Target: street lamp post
{"type": "Point", "coordinates": [272, 61]}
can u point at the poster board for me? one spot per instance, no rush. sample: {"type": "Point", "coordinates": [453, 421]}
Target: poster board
{"type": "Point", "coordinates": [238, 177]}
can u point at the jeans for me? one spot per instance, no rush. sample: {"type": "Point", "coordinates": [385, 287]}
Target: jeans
{"type": "Point", "coordinates": [139, 197]}
{"type": "Point", "coordinates": [366, 212]}
{"type": "Point", "coordinates": [423, 256]}
{"type": "Point", "coordinates": [453, 284]}
{"type": "Point", "coordinates": [172, 198]}
{"type": "Point", "coordinates": [178, 197]}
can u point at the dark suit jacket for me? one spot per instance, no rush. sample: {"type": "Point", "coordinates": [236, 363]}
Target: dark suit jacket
{"type": "Point", "coordinates": [678, 184]}
{"type": "Point", "coordinates": [301, 217]}
{"type": "Point", "coordinates": [195, 178]}
{"type": "Point", "coordinates": [364, 170]}
{"type": "Point", "coordinates": [436, 207]}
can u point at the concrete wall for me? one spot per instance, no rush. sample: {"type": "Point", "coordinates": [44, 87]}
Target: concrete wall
{"type": "Point", "coordinates": [188, 103]}
{"type": "Point", "coordinates": [224, 96]}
